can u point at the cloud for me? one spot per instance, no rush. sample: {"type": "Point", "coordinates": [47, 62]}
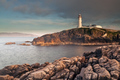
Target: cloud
{"type": "Point", "coordinates": [42, 22]}
{"type": "Point", "coordinates": [117, 21]}
{"type": "Point", "coordinates": [21, 8]}
{"type": "Point", "coordinates": [91, 10]}
{"type": "Point", "coordinates": [112, 27]}
{"type": "Point", "coordinates": [7, 4]}
{"type": "Point", "coordinates": [33, 8]}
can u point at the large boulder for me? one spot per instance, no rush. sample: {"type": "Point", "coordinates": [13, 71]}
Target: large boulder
{"type": "Point", "coordinates": [44, 73]}
{"type": "Point", "coordinates": [103, 74]}
{"type": "Point", "coordinates": [6, 77]}
{"type": "Point", "coordinates": [15, 70]}
{"type": "Point", "coordinates": [89, 74]}
{"type": "Point", "coordinates": [38, 75]}
{"type": "Point", "coordinates": [111, 65]}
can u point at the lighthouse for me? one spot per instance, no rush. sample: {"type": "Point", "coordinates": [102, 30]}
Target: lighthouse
{"type": "Point", "coordinates": [79, 21]}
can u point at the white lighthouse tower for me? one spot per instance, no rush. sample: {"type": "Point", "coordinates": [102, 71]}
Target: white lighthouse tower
{"type": "Point", "coordinates": [79, 21]}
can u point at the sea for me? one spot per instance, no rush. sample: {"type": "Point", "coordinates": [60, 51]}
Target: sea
{"type": "Point", "coordinates": [19, 54]}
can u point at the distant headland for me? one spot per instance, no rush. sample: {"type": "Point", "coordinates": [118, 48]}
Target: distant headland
{"type": "Point", "coordinates": [80, 36]}
{"type": "Point", "coordinates": [16, 34]}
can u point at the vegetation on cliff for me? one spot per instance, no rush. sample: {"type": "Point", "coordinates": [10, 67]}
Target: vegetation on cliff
{"type": "Point", "coordinates": [79, 35]}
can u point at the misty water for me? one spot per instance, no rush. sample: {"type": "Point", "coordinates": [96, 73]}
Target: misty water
{"type": "Point", "coordinates": [18, 54]}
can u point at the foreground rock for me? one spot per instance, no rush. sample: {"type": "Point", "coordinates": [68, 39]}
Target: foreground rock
{"type": "Point", "coordinates": [6, 77]}
{"type": "Point", "coordinates": [9, 43]}
{"type": "Point", "coordinates": [102, 64]}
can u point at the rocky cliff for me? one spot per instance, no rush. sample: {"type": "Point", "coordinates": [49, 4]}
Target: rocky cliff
{"type": "Point", "coordinates": [79, 36]}
{"type": "Point", "coordinates": [102, 64]}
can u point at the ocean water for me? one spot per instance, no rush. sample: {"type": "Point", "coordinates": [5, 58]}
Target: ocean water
{"type": "Point", "coordinates": [18, 54]}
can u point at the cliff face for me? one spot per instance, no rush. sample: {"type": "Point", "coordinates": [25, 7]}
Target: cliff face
{"type": "Point", "coordinates": [79, 35]}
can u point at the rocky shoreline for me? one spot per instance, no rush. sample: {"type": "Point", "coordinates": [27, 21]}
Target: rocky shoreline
{"type": "Point", "coordinates": [73, 43]}
{"type": "Point", "coordinates": [102, 64]}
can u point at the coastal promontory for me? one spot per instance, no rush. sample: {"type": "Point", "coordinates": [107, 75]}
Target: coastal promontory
{"type": "Point", "coordinates": [80, 36]}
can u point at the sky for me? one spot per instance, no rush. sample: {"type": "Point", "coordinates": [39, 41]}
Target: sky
{"type": "Point", "coordinates": [48, 16]}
